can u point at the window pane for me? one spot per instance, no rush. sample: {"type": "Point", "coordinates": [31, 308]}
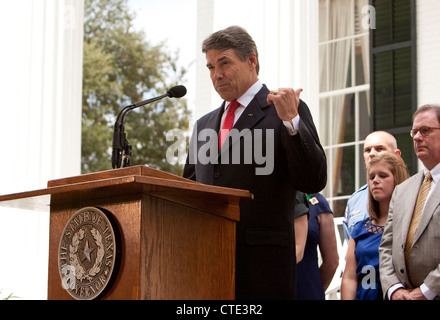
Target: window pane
{"type": "Point", "coordinates": [347, 111]}
{"type": "Point", "coordinates": [323, 21]}
{"type": "Point", "coordinates": [338, 207]}
{"type": "Point", "coordinates": [339, 64]}
{"type": "Point", "coordinates": [341, 19]}
{"type": "Point", "coordinates": [323, 68]}
{"type": "Point", "coordinates": [364, 114]}
{"type": "Point", "coordinates": [343, 171]}
{"type": "Point", "coordinates": [362, 169]}
{"type": "Point", "coordinates": [337, 119]}
{"type": "Point", "coordinates": [343, 119]}
{"type": "Point", "coordinates": [325, 120]}
{"type": "Point", "coordinates": [361, 16]}
{"type": "Point", "coordinates": [327, 190]}
{"type": "Point", "coordinates": [362, 54]}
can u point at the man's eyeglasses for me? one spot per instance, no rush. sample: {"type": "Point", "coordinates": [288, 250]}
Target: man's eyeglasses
{"type": "Point", "coordinates": [424, 131]}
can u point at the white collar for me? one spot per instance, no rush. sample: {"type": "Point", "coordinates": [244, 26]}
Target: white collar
{"type": "Point", "coordinates": [435, 172]}
{"type": "Point", "coordinates": [247, 97]}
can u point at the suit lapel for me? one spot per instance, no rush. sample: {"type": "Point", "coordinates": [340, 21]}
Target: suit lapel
{"type": "Point", "coordinates": [254, 111]}
{"type": "Point", "coordinates": [205, 172]}
{"type": "Point", "coordinates": [251, 115]}
{"type": "Point", "coordinates": [409, 203]}
{"type": "Point", "coordinates": [214, 121]}
{"type": "Point", "coordinates": [428, 212]}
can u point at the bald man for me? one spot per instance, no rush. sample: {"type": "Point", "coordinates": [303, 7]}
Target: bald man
{"type": "Point", "coordinates": [376, 143]}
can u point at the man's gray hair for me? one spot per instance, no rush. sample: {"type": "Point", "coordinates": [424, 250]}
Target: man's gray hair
{"type": "Point", "coordinates": [428, 107]}
{"type": "Point", "coordinates": [233, 37]}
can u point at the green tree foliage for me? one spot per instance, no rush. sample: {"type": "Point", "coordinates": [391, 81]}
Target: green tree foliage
{"type": "Point", "coordinates": [120, 68]}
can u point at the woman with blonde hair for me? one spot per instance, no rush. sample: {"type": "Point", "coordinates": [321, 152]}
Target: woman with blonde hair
{"type": "Point", "coordinates": [361, 275]}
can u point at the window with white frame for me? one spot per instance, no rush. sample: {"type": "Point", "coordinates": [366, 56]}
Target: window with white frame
{"type": "Point", "coordinates": [344, 107]}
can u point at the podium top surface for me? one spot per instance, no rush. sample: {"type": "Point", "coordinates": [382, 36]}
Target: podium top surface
{"type": "Point", "coordinates": [120, 182]}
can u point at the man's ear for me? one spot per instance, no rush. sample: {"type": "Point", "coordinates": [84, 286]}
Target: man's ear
{"type": "Point", "coordinates": [252, 60]}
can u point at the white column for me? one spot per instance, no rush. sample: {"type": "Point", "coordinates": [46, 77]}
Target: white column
{"type": "Point", "coordinates": [428, 46]}
{"type": "Point", "coordinates": [40, 86]}
{"type": "Point", "coordinates": [428, 64]}
{"type": "Point", "coordinates": [205, 26]}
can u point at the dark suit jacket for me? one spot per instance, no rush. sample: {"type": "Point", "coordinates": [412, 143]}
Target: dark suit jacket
{"type": "Point", "coordinates": [265, 255]}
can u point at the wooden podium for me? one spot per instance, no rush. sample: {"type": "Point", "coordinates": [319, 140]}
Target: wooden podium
{"type": "Point", "coordinates": [175, 237]}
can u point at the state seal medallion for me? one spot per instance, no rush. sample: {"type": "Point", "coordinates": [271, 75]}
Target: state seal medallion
{"type": "Point", "coordinates": [88, 254]}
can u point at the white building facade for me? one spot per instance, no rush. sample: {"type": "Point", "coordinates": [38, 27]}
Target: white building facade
{"type": "Point", "coordinates": [323, 46]}
{"type": "Point", "coordinates": [41, 85]}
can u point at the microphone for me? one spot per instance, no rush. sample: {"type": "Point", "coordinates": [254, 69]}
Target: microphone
{"type": "Point", "coordinates": [120, 143]}
{"type": "Point", "coordinates": [176, 92]}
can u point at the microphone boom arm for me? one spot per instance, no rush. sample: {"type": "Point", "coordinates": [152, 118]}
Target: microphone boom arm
{"type": "Point", "coordinates": [120, 144]}
{"type": "Point", "coordinates": [124, 111]}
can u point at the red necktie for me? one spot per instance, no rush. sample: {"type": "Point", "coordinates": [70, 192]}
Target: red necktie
{"type": "Point", "coordinates": [228, 123]}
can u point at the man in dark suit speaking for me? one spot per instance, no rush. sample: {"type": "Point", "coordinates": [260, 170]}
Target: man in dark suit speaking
{"type": "Point", "coordinates": [262, 141]}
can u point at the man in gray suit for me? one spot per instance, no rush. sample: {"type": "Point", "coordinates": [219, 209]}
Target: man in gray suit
{"type": "Point", "coordinates": [410, 249]}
